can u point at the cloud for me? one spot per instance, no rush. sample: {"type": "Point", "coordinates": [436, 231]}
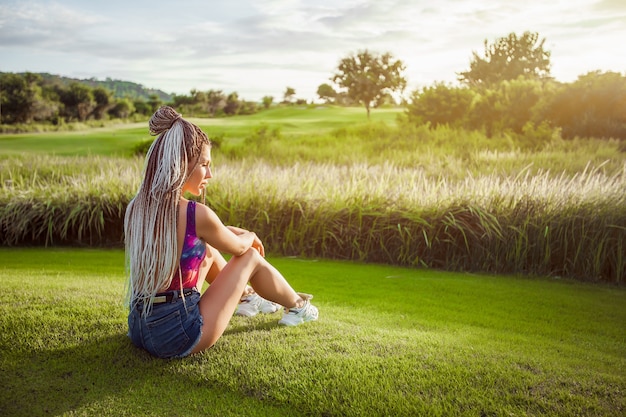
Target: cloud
{"type": "Point", "coordinates": [611, 6]}
{"type": "Point", "coordinates": [258, 46]}
{"type": "Point", "coordinates": [41, 25]}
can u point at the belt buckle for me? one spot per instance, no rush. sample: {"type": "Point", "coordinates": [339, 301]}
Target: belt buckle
{"type": "Point", "coordinates": [159, 299]}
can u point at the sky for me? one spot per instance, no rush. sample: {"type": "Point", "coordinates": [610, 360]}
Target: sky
{"type": "Point", "coordinates": [258, 48]}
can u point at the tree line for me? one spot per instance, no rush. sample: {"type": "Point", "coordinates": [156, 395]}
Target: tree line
{"type": "Point", "coordinates": [506, 89]}
{"type": "Point", "coordinates": [33, 97]}
{"type": "Point", "coordinates": [30, 97]}
{"type": "Point", "coordinates": [592, 106]}
{"type": "Point", "coordinates": [509, 89]}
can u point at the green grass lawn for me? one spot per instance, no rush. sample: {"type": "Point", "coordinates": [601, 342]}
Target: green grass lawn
{"type": "Point", "coordinates": [108, 141]}
{"type": "Point", "coordinates": [390, 341]}
{"type": "Point", "coordinates": [119, 140]}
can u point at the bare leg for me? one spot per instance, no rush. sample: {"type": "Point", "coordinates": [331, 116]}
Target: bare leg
{"type": "Point", "coordinates": [211, 267]}
{"type": "Point", "coordinates": [221, 298]}
{"type": "Point", "coordinates": [271, 285]}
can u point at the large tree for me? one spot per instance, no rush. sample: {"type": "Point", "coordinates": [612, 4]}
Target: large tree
{"type": "Point", "coordinates": [20, 97]}
{"type": "Point", "coordinates": [368, 77]}
{"type": "Point", "coordinates": [507, 59]}
{"type": "Point", "coordinates": [592, 106]}
{"type": "Point", "coordinates": [78, 101]}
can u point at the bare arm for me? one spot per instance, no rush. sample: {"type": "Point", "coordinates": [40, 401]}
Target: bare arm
{"type": "Point", "coordinates": [257, 244]}
{"type": "Point", "coordinates": [232, 240]}
{"type": "Point", "coordinates": [236, 230]}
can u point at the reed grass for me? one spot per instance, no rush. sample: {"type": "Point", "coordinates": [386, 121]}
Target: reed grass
{"type": "Point", "coordinates": [534, 224]}
{"type": "Point", "coordinates": [537, 223]}
{"type": "Point", "coordinates": [65, 200]}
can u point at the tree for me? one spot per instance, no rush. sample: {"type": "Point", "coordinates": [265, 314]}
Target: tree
{"type": "Point", "coordinates": [154, 101]}
{"type": "Point", "coordinates": [123, 108]}
{"type": "Point", "coordinates": [326, 92]}
{"type": "Point", "coordinates": [104, 101]}
{"type": "Point", "coordinates": [592, 106]}
{"type": "Point", "coordinates": [247, 107]}
{"type": "Point", "coordinates": [507, 59]}
{"type": "Point", "coordinates": [508, 106]}
{"type": "Point", "coordinates": [78, 101]}
{"type": "Point", "coordinates": [368, 77]}
{"type": "Point", "coordinates": [20, 97]}
{"type": "Point", "coordinates": [289, 93]}
{"type": "Point", "coordinates": [232, 104]}
{"type": "Point", "coordinates": [216, 101]}
{"type": "Point", "coordinates": [199, 103]}
{"type": "Point", "coordinates": [267, 101]}
{"type": "Point", "coordinates": [140, 107]}
{"type": "Point", "coordinates": [440, 105]}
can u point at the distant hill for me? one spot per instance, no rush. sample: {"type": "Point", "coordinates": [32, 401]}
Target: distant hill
{"type": "Point", "coordinates": [120, 89]}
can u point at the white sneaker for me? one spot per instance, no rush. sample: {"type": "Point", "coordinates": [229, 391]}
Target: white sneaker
{"type": "Point", "coordinates": [295, 316]}
{"type": "Point", "coordinates": [253, 304]}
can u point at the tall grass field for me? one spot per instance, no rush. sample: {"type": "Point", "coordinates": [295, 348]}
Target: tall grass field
{"type": "Point", "coordinates": [390, 341]}
{"type": "Point", "coordinates": [324, 182]}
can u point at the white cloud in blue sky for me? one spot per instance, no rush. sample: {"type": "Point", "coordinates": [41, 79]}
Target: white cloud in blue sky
{"type": "Point", "coordinates": [259, 47]}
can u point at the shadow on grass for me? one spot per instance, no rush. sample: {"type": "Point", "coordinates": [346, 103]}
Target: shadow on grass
{"type": "Point", "coordinates": [107, 375]}
{"type": "Point", "coordinates": [240, 325]}
{"type": "Point", "coordinates": [56, 381]}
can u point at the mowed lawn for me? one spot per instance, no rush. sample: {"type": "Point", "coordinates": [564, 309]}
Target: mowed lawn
{"type": "Point", "coordinates": [120, 139]}
{"type": "Point", "coordinates": [390, 341]}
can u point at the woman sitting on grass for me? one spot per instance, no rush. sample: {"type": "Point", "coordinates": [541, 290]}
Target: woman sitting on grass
{"type": "Point", "coordinates": [174, 244]}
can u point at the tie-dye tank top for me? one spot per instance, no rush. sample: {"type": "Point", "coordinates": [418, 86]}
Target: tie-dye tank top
{"type": "Point", "coordinates": [194, 251]}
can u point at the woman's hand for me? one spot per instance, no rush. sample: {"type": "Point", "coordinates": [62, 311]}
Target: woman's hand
{"type": "Point", "coordinates": [237, 230]}
{"type": "Point", "coordinates": [258, 245]}
{"type": "Point", "coordinates": [256, 242]}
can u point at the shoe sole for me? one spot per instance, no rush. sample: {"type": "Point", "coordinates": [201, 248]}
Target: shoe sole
{"type": "Point", "coordinates": [283, 322]}
{"type": "Point", "coordinates": [291, 324]}
{"type": "Point", "coordinates": [245, 314]}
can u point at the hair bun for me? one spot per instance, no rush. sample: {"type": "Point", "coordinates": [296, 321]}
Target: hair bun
{"type": "Point", "coordinates": [163, 119]}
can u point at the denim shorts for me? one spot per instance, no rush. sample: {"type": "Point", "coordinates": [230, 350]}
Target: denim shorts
{"type": "Point", "coordinates": [172, 330]}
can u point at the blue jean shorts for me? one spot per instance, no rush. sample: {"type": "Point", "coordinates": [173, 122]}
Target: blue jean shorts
{"type": "Point", "coordinates": [173, 328]}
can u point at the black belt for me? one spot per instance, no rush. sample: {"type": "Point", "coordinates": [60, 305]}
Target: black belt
{"type": "Point", "coordinates": [169, 296]}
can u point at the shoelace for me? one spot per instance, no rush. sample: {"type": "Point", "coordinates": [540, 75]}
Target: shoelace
{"type": "Point", "coordinates": [298, 310]}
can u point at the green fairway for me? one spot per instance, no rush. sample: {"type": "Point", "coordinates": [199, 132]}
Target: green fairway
{"type": "Point", "coordinates": [390, 341]}
{"type": "Point", "coordinates": [119, 140]}
{"type": "Point", "coordinates": [114, 141]}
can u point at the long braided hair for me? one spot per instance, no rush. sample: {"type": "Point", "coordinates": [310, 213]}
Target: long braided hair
{"type": "Point", "coordinates": [150, 220]}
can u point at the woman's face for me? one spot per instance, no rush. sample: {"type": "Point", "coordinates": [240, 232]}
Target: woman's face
{"type": "Point", "coordinates": [201, 173]}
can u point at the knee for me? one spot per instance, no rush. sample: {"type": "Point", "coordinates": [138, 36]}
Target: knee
{"type": "Point", "coordinates": [253, 256]}
{"type": "Point", "coordinates": [251, 261]}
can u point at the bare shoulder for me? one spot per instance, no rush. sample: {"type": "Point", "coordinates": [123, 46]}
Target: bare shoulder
{"type": "Point", "coordinates": [203, 209]}
{"type": "Point", "coordinates": [206, 217]}
{"type": "Point", "coordinates": [210, 228]}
